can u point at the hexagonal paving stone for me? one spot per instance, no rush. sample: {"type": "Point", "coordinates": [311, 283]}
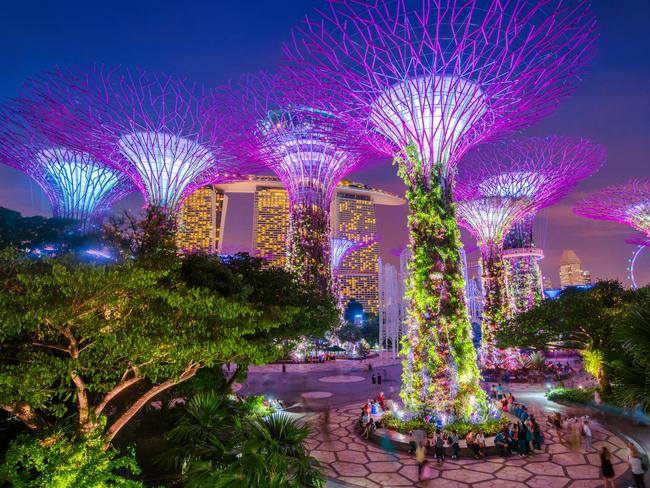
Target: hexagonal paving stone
{"type": "Point", "coordinates": [583, 472]}
{"type": "Point", "coordinates": [324, 456]}
{"type": "Point", "coordinates": [549, 469]}
{"type": "Point", "coordinates": [499, 484]}
{"type": "Point", "coordinates": [390, 479]}
{"type": "Point", "coordinates": [441, 483]}
{"type": "Point", "coordinates": [350, 469]}
{"type": "Point", "coordinates": [547, 482]}
{"type": "Point", "coordinates": [466, 476]}
{"type": "Point", "coordinates": [485, 467]}
{"type": "Point", "coordinates": [351, 457]}
{"type": "Point", "coordinates": [385, 467]}
{"type": "Point", "coordinates": [358, 481]}
{"type": "Point", "coordinates": [569, 458]}
{"type": "Point", "coordinates": [513, 473]}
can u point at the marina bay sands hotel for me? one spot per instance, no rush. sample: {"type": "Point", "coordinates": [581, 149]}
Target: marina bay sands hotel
{"type": "Point", "coordinates": [203, 216]}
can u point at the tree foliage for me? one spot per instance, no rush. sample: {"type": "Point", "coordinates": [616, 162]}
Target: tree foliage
{"type": "Point", "coordinates": [58, 461]}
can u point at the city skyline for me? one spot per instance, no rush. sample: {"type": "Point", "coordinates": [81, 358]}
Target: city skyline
{"type": "Point", "coordinates": [610, 106]}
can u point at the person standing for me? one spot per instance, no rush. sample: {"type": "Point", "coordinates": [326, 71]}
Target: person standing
{"type": "Point", "coordinates": [439, 447]}
{"type": "Point", "coordinates": [379, 378]}
{"type": "Point", "coordinates": [606, 468]}
{"type": "Point", "coordinates": [421, 458]}
{"type": "Point", "coordinates": [586, 429]}
{"type": "Point", "coordinates": [636, 466]}
{"type": "Point", "coordinates": [373, 378]}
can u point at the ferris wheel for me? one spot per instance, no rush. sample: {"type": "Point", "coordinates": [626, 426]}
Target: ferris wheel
{"type": "Point", "coordinates": [641, 244]}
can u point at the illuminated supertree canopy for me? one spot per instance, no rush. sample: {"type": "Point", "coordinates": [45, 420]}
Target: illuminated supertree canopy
{"type": "Point", "coordinates": [310, 150]}
{"type": "Point", "coordinates": [153, 127]}
{"type": "Point", "coordinates": [505, 184]}
{"type": "Point", "coordinates": [426, 81]}
{"type": "Point", "coordinates": [628, 204]}
{"type": "Point", "coordinates": [340, 249]}
{"type": "Point", "coordinates": [541, 169]}
{"type": "Point", "coordinates": [78, 186]}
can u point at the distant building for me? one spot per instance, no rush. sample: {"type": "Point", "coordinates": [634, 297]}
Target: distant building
{"type": "Point", "coordinates": [201, 220]}
{"type": "Point", "coordinates": [547, 283]}
{"type": "Point", "coordinates": [571, 272]}
{"type": "Point", "coordinates": [270, 223]}
{"type": "Point", "coordinates": [352, 217]}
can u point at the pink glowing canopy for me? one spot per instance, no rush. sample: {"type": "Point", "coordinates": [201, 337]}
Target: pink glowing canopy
{"type": "Point", "coordinates": [272, 120]}
{"type": "Point", "coordinates": [628, 204]}
{"type": "Point", "coordinates": [153, 127]}
{"type": "Point", "coordinates": [444, 75]}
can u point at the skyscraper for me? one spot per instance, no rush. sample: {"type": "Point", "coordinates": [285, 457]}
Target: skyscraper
{"type": "Point", "coordinates": [354, 219]}
{"type": "Point", "coordinates": [571, 272]}
{"type": "Point", "coordinates": [201, 220]}
{"type": "Point", "coordinates": [270, 224]}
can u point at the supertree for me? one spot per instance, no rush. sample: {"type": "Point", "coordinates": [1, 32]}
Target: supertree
{"type": "Point", "coordinates": [311, 151]}
{"type": "Point", "coordinates": [489, 219]}
{"type": "Point", "coordinates": [506, 184]}
{"type": "Point", "coordinates": [154, 128]}
{"type": "Point", "coordinates": [542, 169]}
{"type": "Point", "coordinates": [628, 204]}
{"type": "Point", "coordinates": [427, 80]}
{"type": "Point", "coordinates": [79, 186]}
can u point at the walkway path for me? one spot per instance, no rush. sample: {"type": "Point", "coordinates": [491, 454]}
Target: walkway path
{"type": "Point", "coordinates": [357, 462]}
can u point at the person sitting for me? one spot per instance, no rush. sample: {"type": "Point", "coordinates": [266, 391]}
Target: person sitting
{"type": "Point", "coordinates": [502, 444]}
{"type": "Point", "coordinates": [473, 445]}
{"type": "Point", "coordinates": [381, 400]}
{"type": "Point", "coordinates": [480, 440]}
{"type": "Point", "coordinates": [516, 410]}
{"type": "Point", "coordinates": [454, 441]}
{"type": "Point", "coordinates": [514, 436]}
{"type": "Point", "coordinates": [412, 444]}
{"type": "Point", "coordinates": [369, 427]}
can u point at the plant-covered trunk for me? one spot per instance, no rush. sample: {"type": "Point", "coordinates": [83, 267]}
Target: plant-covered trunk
{"type": "Point", "coordinates": [309, 245]}
{"type": "Point", "coordinates": [440, 373]}
{"type": "Point", "coordinates": [496, 308]}
{"type": "Point", "coordinates": [524, 282]}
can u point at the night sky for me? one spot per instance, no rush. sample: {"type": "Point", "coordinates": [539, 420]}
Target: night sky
{"type": "Point", "coordinates": [213, 41]}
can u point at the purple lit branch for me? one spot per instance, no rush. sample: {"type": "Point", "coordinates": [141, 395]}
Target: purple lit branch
{"type": "Point", "coordinates": [628, 204]}
{"type": "Point", "coordinates": [78, 186]}
{"type": "Point", "coordinates": [444, 75]}
{"type": "Point", "coordinates": [152, 127]}
{"type": "Point", "coordinates": [276, 122]}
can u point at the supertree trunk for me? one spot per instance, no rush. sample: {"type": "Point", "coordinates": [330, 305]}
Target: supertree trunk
{"type": "Point", "coordinates": [440, 373]}
{"type": "Point", "coordinates": [496, 308]}
{"type": "Point", "coordinates": [309, 245]}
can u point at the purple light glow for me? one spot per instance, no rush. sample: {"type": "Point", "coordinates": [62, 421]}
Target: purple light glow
{"type": "Point", "coordinates": [78, 186]}
{"type": "Point", "coordinates": [628, 204]}
{"type": "Point", "coordinates": [154, 128]}
{"type": "Point", "coordinates": [444, 75]}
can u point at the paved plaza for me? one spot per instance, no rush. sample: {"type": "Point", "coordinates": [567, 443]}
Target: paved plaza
{"type": "Point", "coordinates": [330, 396]}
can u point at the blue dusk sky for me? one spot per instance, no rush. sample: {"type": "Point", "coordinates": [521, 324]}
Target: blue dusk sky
{"type": "Point", "coordinates": [212, 41]}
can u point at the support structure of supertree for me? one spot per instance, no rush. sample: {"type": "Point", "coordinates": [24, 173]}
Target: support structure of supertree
{"type": "Point", "coordinates": [310, 150]}
{"type": "Point", "coordinates": [79, 186]}
{"type": "Point", "coordinates": [628, 204]}
{"type": "Point", "coordinates": [506, 184]}
{"type": "Point", "coordinates": [426, 81]}
{"type": "Point", "coordinates": [542, 169]}
{"type": "Point", "coordinates": [154, 128]}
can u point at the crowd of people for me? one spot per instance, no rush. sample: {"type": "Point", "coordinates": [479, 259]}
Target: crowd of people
{"type": "Point", "coordinates": [370, 417]}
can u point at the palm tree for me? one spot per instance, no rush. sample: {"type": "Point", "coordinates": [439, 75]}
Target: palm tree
{"type": "Point", "coordinates": [272, 455]}
{"type": "Point", "coordinates": [631, 369]}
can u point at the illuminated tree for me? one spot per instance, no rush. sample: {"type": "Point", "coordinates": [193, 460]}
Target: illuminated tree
{"type": "Point", "coordinates": [310, 150]}
{"type": "Point", "coordinates": [628, 204]}
{"type": "Point", "coordinates": [152, 127]}
{"type": "Point", "coordinates": [426, 81]}
{"type": "Point", "coordinates": [78, 185]}
{"type": "Point", "coordinates": [543, 170]}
